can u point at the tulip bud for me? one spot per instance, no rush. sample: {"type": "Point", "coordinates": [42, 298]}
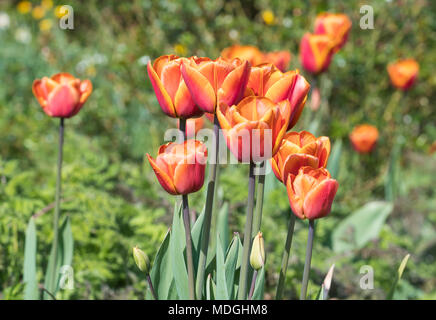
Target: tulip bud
{"type": "Point", "coordinates": [141, 260]}
{"type": "Point", "coordinates": [257, 257]}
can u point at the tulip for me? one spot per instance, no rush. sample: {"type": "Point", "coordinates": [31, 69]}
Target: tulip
{"type": "Point", "coordinates": [257, 257]}
{"type": "Point", "coordinates": [364, 138]}
{"type": "Point", "coordinates": [266, 80]}
{"type": "Point", "coordinates": [211, 82]}
{"type": "Point", "coordinates": [280, 59]}
{"type": "Point", "coordinates": [403, 73]}
{"type": "Point", "coordinates": [300, 149]}
{"type": "Point", "coordinates": [337, 26]}
{"type": "Point", "coordinates": [316, 51]}
{"type": "Point", "coordinates": [62, 95]}
{"type": "Point", "coordinates": [311, 192]}
{"type": "Point", "coordinates": [170, 88]}
{"type": "Point", "coordinates": [180, 168]}
{"type": "Point", "coordinates": [250, 114]}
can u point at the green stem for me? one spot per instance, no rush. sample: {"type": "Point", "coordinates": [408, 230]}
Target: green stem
{"type": "Point", "coordinates": [257, 221]}
{"type": "Point", "coordinates": [253, 285]}
{"type": "Point", "coordinates": [306, 271]}
{"type": "Point", "coordinates": [208, 214]}
{"type": "Point", "coordinates": [285, 259]}
{"type": "Point", "coordinates": [150, 285]}
{"type": "Point", "coordinates": [242, 293]}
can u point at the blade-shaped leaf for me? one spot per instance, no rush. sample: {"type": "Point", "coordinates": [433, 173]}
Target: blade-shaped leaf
{"type": "Point", "coordinates": [259, 286]}
{"type": "Point", "coordinates": [221, 284]}
{"type": "Point", "coordinates": [334, 159]}
{"type": "Point", "coordinates": [223, 225]}
{"type": "Point", "coordinates": [230, 264]}
{"type": "Point", "coordinates": [325, 287]}
{"type": "Point", "coordinates": [29, 271]}
{"type": "Point", "coordinates": [210, 288]}
{"type": "Point", "coordinates": [398, 277]}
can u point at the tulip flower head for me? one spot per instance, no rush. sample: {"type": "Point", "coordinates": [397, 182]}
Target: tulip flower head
{"type": "Point", "coordinates": [180, 168]}
{"type": "Point", "coordinates": [141, 260]}
{"type": "Point", "coordinates": [62, 95]}
{"type": "Point", "coordinates": [337, 26]}
{"type": "Point", "coordinates": [254, 128]}
{"type": "Point", "coordinates": [403, 73]}
{"type": "Point", "coordinates": [316, 51]}
{"type": "Point", "coordinates": [170, 89]}
{"type": "Point", "coordinates": [300, 149]}
{"type": "Point", "coordinates": [211, 82]}
{"type": "Point", "coordinates": [266, 80]}
{"type": "Point", "coordinates": [311, 192]}
{"type": "Point", "coordinates": [364, 138]}
{"type": "Point", "coordinates": [280, 59]}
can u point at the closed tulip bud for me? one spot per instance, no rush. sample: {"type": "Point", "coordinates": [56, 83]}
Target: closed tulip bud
{"type": "Point", "coordinates": [255, 127]}
{"type": "Point", "coordinates": [170, 89]}
{"type": "Point", "coordinates": [62, 95]}
{"type": "Point", "coordinates": [257, 256]}
{"type": "Point", "coordinates": [300, 149]}
{"type": "Point", "coordinates": [316, 51]}
{"type": "Point", "coordinates": [311, 192]}
{"type": "Point", "coordinates": [337, 26]}
{"type": "Point", "coordinates": [364, 138]}
{"type": "Point", "coordinates": [141, 260]}
{"type": "Point", "coordinates": [403, 73]}
{"type": "Point", "coordinates": [180, 168]}
{"type": "Point", "coordinates": [267, 81]}
{"type": "Point", "coordinates": [211, 82]}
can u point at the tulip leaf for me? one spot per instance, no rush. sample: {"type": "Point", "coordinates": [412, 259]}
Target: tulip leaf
{"type": "Point", "coordinates": [177, 259]}
{"type": "Point", "coordinates": [326, 284]}
{"type": "Point", "coordinates": [335, 158]}
{"type": "Point", "coordinates": [196, 234]}
{"type": "Point", "coordinates": [221, 284]}
{"type": "Point", "coordinates": [259, 286]}
{"type": "Point", "coordinates": [161, 274]}
{"type": "Point", "coordinates": [210, 288]}
{"type": "Point", "coordinates": [29, 272]}
{"type": "Point", "coordinates": [230, 264]}
{"type": "Point", "coordinates": [398, 277]}
{"type": "Point", "coordinates": [361, 226]}
{"type": "Point", "coordinates": [223, 225]}
{"type": "Point", "coordinates": [392, 174]}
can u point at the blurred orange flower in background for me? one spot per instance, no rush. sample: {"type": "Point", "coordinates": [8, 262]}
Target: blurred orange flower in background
{"type": "Point", "coordinates": [337, 26]}
{"type": "Point", "coordinates": [316, 51]}
{"type": "Point", "coordinates": [403, 73]}
{"type": "Point", "coordinates": [364, 138]}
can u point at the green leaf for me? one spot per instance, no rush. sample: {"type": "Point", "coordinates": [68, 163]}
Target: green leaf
{"type": "Point", "coordinates": [177, 259]}
{"type": "Point", "coordinates": [360, 227]}
{"type": "Point", "coordinates": [210, 288]}
{"type": "Point", "coordinates": [230, 264]}
{"type": "Point", "coordinates": [67, 243]}
{"type": "Point", "coordinates": [259, 286]}
{"type": "Point", "coordinates": [398, 277]}
{"type": "Point", "coordinates": [221, 284]}
{"type": "Point", "coordinates": [196, 233]}
{"type": "Point", "coordinates": [325, 287]}
{"type": "Point", "coordinates": [335, 158]}
{"type": "Point", "coordinates": [29, 272]}
{"type": "Point", "coordinates": [223, 225]}
{"type": "Point", "coordinates": [392, 174]}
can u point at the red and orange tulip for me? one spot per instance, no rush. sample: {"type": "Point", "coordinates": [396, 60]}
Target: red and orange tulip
{"type": "Point", "coordinates": [239, 124]}
{"type": "Point", "coordinates": [62, 95]}
{"type": "Point", "coordinates": [211, 82]}
{"type": "Point", "coordinates": [337, 26]}
{"type": "Point", "coordinates": [316, 51]}
{"type": "Point", "coordinates": [180, 168]}
{"type": "Point", "coordinates": [311, 192]}
{"type": "Point", "coordinates": [280, 59]}
{"type": "Point", "coordinates": [364, 138]}
{"type": "Point", "coordinates": [266, 80]}
{"type": "Point", "coordinates": [170, 89]}
{"type": "Point", "coordinates": [403, 73]}
{"type": "Point", "coordinates": [300, 149]}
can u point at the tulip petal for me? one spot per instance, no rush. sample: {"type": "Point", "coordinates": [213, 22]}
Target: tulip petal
{"type": "Point", "coordinates": [233, 86]}
{"type": "Point", "coordinates": [189, 177]}
{"type": "Point", "coordinates": [295, 161]}
{"type": "Point", "coordinates": [162, 95]}
{"type": "Point", "coordinates": [163, 178]}
{"type": "Point", "coordinates": [62, 101]}
{"type": "Point", "coordinates": [295, 201]}
{"type": "Point", "coordinates": [200, 88]}
{"type": "Point", "coordinates": [318, 202]}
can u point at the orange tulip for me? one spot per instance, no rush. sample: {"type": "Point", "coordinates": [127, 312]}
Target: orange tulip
{"type": "Point", "coordinates": [211, 82]}
{"type": "Point", "coordinates": [239, 124]}
{"type": "Point", "coordinates": [170, 89]}
{"type": "Point", "coordinates": [300, 149]}
{"type": "Point", "coordinates": [280, 59]}
{"type": "Point", "coordinates": [180, 168]}
{"type": "Point", "coordinates": [266, 80]}
{"type": "Point", "coordinates": [337, 26]}
{"type": "Point", "coordinates": [364, 138]}
{"type": "Point", "coordinates": [316, 51]}
{"type": "Point", "coordinates": [403, 73]}
{"type": "Point", "coordinates": [311, 192]}
{"type": "Point", "coordinates": [62, 95]}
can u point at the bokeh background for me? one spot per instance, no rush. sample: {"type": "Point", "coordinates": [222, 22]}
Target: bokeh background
{"type": "Point", "coordinates": [111, 193]}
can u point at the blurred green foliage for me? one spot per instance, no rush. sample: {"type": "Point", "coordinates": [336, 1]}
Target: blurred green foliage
{"type": "Point", "coordinates": [112, 195]}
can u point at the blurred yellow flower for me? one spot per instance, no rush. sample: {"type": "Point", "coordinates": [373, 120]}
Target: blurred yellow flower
{"type": "Point", "coordinates": [47, 4]}
{"type": "Point", "coordinates": [180, 49]}
{"type": "Point", "coordinates": [268, 16]}
{"type": "Point", "coordinates": [59, 13]}
{"type": "Point", "coordinates": [91, 71]}
{"type": "Point", "coordinates": [24, 7]}
{"type": "Point", "coordinates": [38, 12]}
{"type": "Point", "coordinates": [45, 25]}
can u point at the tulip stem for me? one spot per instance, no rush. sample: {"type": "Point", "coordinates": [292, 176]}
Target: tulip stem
{"type": "Point", "coordinates": [150, 285]}
{"type": "Point", "coordinates": [306, 271]}
{"type": "Point", "coordinates": [57, 208]}
{"type": "Point", "coordinates": [257, 221]}
{"type": "Point", "coordinates": [189, 258]}
{"type": "Point", "coordinates": [242, 293]}
{"type": "Point", "coordinates": [253, 284]}
{"type": "Point", "coordinates": [285, 259]}
{"type": "Point", "coordinates": [208, 213]}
